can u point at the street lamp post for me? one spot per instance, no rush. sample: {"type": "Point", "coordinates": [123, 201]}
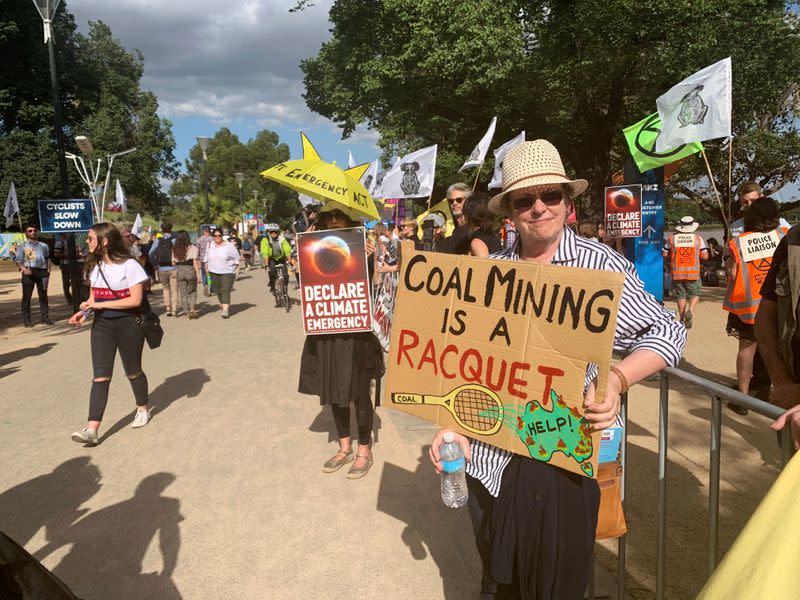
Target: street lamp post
{"type": "Point", "coordinates": [47, 10]}
{"type": "Point", "coordinates": [203, 142]}
{"type": "Point", "coordinates": [91, 176]}
{"type": "Point", "coordinates": [110, 159]}
{"type": "Point", "coordinates": [240, 179]}
{"type": "Point", "coordinates": [255, 199]}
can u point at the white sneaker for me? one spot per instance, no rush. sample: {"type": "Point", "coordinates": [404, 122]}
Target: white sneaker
{"type": "Point", "coordinates": [86, 436]}
{"type": "Point", "coordinates": [141, 419]}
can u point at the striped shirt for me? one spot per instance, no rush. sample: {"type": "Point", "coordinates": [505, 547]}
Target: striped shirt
{"type": "Point", "coordinates": [642, 324]}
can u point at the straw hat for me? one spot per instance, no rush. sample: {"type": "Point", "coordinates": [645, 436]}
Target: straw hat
{"type": "Point", "coordinates": [687, 225]}
{"type": "Point", "coordinates": [534, 163]}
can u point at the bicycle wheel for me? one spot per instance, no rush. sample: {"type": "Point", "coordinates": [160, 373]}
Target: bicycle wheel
{"type": "Point", "coordinates": [287, 301]}
{"type": "Point", "coordinates": [279, 292]}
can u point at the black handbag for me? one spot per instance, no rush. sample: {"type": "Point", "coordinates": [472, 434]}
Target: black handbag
{"type": "Point", "coordinates": [145, 318]}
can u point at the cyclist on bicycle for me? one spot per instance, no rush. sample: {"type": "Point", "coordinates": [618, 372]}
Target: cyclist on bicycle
{"type": "Point", "coordinates": [275, 251]}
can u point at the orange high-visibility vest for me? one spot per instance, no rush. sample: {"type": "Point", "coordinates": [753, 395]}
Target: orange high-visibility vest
{"type": "Point", "coordinates": [684, 253]}
{"type": "Point", "coordinates": [753, 255]}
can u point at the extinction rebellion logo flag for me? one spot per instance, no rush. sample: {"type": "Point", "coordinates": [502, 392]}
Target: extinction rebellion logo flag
{"type": "Point", "coordinates": [641, 138]}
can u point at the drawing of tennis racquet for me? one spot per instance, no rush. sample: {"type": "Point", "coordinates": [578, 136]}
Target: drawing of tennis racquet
{"type": "Point", "coordinates": [474, 407]}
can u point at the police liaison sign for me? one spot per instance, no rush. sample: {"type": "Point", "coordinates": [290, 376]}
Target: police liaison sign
{"type": "Point", "coordinates": [65, 216]}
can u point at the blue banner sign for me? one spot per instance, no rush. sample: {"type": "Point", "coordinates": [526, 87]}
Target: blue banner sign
{"type": "Point", "coordinates": [65, 216]}
{"type": "Point", "coordinates": [645, 251]}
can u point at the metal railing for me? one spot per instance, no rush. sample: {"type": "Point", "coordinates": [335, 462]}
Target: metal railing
{"type": "Point", "coordinates": [719, 393]}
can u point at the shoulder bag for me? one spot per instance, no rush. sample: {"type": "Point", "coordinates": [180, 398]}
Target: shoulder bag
{"type": "Point", "coordinates": [145, 318]}
{"type": "Point", "coordinates": [610, 518]}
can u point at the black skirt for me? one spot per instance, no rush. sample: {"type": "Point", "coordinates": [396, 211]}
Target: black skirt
{"type": "Point", "coordinates": [339, 368]}
{"type": "Point", "coordinates": [536, 538]}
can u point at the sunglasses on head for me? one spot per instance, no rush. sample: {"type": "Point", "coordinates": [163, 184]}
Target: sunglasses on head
{"type": "Point", "coordinates": [550, 198]}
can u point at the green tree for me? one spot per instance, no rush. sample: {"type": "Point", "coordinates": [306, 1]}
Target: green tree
{"type": "Point", "coordinates": [101, 97]}
{"type": "Point", "coordinates": [227, 155]}
{"type": "Point", "coordinates": [572, 71]}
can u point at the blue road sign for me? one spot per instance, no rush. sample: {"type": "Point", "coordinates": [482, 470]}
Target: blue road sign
{"type": "Point", "coordinates": [65, 216]}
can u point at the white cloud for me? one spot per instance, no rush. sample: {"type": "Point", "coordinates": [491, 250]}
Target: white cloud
{"type": "Point", "coordinates": [220, 60]}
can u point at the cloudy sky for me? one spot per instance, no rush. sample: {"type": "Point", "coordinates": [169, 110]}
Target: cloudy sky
{"type": "Point", "coordinates": [232, 63]}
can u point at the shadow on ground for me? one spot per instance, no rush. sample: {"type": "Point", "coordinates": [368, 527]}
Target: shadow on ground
{"type": "Point", "coordinates": [432, 529]}
{"type": "Point", "coordinates": [107, 546]}
{"type": "Point", "coordinates": [188, 384]}
{"type": "Point", "coordinates": [23, 353]}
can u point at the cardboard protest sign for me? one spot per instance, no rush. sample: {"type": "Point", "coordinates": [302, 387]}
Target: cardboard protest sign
{"type": "Point", "coordinates": [384, 309]}
{"type": "Point", "coordinates": [624, 211]}
{"type": "Point", "coordinates": [498, 351]}
{"type": "Point", "coordinates": [334, 281]}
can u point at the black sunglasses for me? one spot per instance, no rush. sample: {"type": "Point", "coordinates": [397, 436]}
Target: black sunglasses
{"type": "Point", "coordinates": [217, 235]}
{"type": "Point", "coordinates": [31, 230]}
{"type": "Point", "coordinates": [550, 198]}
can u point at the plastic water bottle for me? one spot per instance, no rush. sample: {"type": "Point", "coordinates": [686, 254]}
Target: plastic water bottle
{"type": "Point", "coordinates": [454, 479]}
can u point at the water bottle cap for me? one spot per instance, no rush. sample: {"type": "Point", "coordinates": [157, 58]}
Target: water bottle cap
{"type": "Point", "coordinates": [449, 437]}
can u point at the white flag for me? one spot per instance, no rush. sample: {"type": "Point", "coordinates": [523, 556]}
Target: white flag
{"type": "Point", "coordinates": [12, 205]}
{"type": "Point", "coordinates": [119, 198]}
{"type": "Point", "coordinates": [137, 228]}
{"type": "Point", "coordinates": [411, 176]}
{"type": "Point", "coordinates": [500, 156]}
{"type": "Point", "coordinates": [697, 109]}
{"type": "Point", "coordinates": [351, 162]}
{"type": "Point", "coordinates": [479, 153]}
{"type": "Point", "coordinates": [370, 178]}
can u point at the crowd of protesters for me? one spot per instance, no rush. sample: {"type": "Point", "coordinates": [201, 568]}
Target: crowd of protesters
{"type": "Point", "coordinates": [528, 220]}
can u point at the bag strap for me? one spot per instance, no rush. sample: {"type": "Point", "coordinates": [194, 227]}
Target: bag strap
{"type": "Point", "coordinates": [143, 309]}
{"type": "Point", "coordinates": [108, 285]}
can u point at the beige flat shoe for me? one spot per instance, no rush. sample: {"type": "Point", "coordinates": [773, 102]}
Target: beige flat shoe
{"type": "Point", "coordinates": [335, 462]}
{"type": "Point", "coordinates": [359, 472]}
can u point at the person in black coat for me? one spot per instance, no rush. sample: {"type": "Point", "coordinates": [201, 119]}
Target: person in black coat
{"type": "Point", "coordinates": [339, 368]}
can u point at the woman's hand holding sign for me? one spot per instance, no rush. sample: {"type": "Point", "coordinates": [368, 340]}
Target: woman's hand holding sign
{"type": "Point", "coordinates": [603, 414]}
{"type": "Point", "coordinates": [635, 367]}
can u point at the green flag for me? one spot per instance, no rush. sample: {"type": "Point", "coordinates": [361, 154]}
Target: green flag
{"type": "Point", "coordinates": [641, 139]}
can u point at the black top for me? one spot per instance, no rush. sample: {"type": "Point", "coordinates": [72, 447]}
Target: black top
{"type": "Point", "coordinates": [492, 241]}
{"type": "Point", "coordinates": [417, 242]}
{"type": "Point", "coordinates": [459, 241]}
{"type": "Point", "coordinates": [768, 291]}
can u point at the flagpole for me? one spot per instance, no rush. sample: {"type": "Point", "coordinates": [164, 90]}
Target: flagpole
{"type": "Point", "coordinates": [730, 172]}
{"type": "Point", "coordinates": [478, 174]}
{"type": "Point", "coordinates": [716, 191]}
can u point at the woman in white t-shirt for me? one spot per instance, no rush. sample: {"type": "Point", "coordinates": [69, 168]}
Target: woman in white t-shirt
{"type": "Point", "coordinates": [184, 257]}
{"type": "Point", "coordinates": [222, 262]}
{"type": "Point", "coordinates": [116, 299]}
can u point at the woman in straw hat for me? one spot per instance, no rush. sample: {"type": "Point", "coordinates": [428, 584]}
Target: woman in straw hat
{"type": "Point", "coordinates": [535, 523]}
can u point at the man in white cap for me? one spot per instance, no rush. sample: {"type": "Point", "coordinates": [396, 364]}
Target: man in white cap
{"type": "Point", "coordinates": [685, 249]}
{"type": "Point", "coordinates": [531, 544]}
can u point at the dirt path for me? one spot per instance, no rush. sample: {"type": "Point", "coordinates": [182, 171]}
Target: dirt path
{"type": "Point", "coordinates": [231, 501]}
